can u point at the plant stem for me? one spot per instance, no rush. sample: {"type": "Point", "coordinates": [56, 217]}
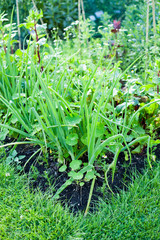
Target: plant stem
{"type": "Point", "coordinates": [79, 18]}
{"type": "Point", "coordinates": [147, 32]}
{"type": "Point", "coordinates": [147, 22]}
{"type": "Point", "coordinates": [83, 12]}
{"type": "Point", "coordinates": [39, 58]}
{"type": "Point", "coordinates": [18, 22]}
{"type": "Point", "coordinates": [38, 48]}
{"type": "Point", "coordinates": [154, 20]}
{"type": "Point", "coordinates": [154, 29]}
{"type": "Point", "coordinates": [90, 195]}
{"type": "Point", "coordinates": [40, 18]}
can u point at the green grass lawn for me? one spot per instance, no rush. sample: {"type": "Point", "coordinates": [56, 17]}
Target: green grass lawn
{"type": "Point", "coordinates": [134, 214]}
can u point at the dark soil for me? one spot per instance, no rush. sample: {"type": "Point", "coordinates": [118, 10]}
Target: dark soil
{"type": "Point", "coordinates": [44, 174]}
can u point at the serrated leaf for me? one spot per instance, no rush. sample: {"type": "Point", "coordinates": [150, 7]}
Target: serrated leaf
{"type": "Point", "coordinates": [29, 25]}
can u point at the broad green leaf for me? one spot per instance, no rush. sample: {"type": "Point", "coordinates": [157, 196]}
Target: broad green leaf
{"type": "Point", "coordinates": [42, 41]}
{"type": "Point", "coordinates": [152, 108]}
{"type": "Point", "coordinates": [136, 150]}
{"type": "Point", "coordinates": [89, 175]}
{"type": "Point", "coordinates": [81, 184]}
{"type": "Point", "coordinates": [139, 130]}
{"type": "Point", "coordinates": [75, 175]}
{"type": "Point", "coordinates": [84, 139]}
{"type": "Point", "coordinates": [100, 130]}
{"type": "Point", "coordinates": [3, 134]}
{"type": "Point", "coordinates": [21, 157]}
{"type": "Point", "coordinates": [72, 139]}
{"type": "Point", "coordinates": [72, 119]}
{"type": "Point", "coordinates": [129, 138]}
{"type": "Point", "coordinates": [63, 168]}
{"type": "Point", "coordinates": [29, 25]}
{"type": "Point", "coordinates": [19, 53]}
{"type": "Point", "coordinates": [14, 119]}
{"type": "Point", "coordinates": [75, 164]}
{"type": "Point", "coordinates": [155, 142]}
{"type": "Point", "coordinates": [148, 87]}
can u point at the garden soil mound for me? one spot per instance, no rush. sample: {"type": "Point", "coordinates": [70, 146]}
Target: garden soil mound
{"type": "Point", "coordinates": [44, 174]}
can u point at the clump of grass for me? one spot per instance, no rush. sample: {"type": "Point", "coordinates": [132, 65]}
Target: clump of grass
{"type": "Point", "coordinates": [134, 214]}
{"type": "Point", "coordinates": [130, 215]}
{"type": "Point", "coordinates": [25, 215]}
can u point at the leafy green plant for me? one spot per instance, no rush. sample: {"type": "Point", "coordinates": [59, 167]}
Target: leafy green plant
{"type": "Point", "coordinates": [36, 31]}
{"type": "Point", "coordinates": [69, 98]}
{"type": "Point", "coordinates": [14, 159]}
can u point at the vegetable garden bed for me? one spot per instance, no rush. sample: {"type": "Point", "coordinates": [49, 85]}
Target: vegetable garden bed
{"type": "Point", "coordinates": [81, 113]}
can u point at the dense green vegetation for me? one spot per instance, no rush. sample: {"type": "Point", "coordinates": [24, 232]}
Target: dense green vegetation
{"type": "Point", "coordinates": [61, 13]}
{"type": "Point", "coordinates": [79, 99]}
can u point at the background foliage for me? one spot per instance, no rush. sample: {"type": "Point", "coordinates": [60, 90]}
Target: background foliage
{"type": "Point", "coordinates": [61, 13]}
{"type": "Point", "coordinates": [114, 8]}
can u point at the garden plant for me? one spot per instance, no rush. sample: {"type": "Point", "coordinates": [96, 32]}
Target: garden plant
{"type": "Point", "coordinates": [78, 99]}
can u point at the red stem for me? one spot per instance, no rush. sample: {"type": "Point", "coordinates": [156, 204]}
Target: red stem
{"type": "Point", "coordinates": [38, 52]}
